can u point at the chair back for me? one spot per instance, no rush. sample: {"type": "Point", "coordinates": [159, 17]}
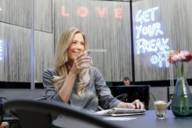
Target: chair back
{"type": "Point", "coordinates": [40, 114]}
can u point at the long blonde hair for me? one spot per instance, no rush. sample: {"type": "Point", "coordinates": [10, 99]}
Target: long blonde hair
{"type": "Point", "coordinates": [61, 55]}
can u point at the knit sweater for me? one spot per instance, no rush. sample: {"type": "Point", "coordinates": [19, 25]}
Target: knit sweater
{"type": "Point", "coordinates": [97, 92]}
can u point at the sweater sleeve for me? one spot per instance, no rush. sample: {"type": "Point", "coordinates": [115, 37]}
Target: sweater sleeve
{"type": "Point", "coordinates": [50, 92]}
{"type": "Point", "coordinates": [106, 100]}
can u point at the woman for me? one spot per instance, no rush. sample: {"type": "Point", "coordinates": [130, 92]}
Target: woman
{"type": "Point", "coordinates": [75, 80]}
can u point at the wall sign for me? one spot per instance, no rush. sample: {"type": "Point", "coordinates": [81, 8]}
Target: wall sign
{"type": "Point", "coordinates": [150, 38]}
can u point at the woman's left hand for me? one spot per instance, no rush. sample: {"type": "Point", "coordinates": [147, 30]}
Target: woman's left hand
{"type": "Point", "coordinates": [136, 104]}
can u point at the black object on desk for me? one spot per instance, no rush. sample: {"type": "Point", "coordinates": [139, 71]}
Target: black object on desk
{"type": "Point", "coordinates": [36, 114]}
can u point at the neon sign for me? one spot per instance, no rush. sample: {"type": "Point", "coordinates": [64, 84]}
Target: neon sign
{"type": "Point", "coordinates": [150, 37]}
{"type": "Point", "coordinates": [83, 11]}
{"type": "Point", "coordinates": [1, 50]}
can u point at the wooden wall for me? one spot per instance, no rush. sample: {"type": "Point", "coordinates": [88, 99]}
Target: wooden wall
{"type": "Point", "coordinates": [109, 33]}
{"type": "Point", "coordinates": [16, 35]}
{"type": "Point", "coordinates": [176, 23]}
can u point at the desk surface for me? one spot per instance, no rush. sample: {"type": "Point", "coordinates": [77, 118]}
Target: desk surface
{"type": "Point", "coordinates": [148, 120]}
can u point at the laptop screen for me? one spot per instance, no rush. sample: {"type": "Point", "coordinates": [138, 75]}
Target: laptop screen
{"type": "Point", "coordinates": [132, 92]}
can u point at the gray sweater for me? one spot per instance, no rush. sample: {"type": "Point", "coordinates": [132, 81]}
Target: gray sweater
{"type": "Point", "coordinates": [97, 93]}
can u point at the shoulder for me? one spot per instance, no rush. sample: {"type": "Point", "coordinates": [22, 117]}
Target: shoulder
{"type": "Point", "coordinates": [48, 76]}
{"type": "Point", "coordinates": [49, 73]}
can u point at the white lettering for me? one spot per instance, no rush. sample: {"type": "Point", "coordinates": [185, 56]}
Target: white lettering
{"type": "Point", "coordinates": [146, 16]}
{"type": "Point", "coordinates": [150, 30]}
{"type": "Point", "coordinates": [149, 37]}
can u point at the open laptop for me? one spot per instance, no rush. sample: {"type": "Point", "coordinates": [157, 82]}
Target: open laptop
{"type": "Point", "coordinates": [132, 92]}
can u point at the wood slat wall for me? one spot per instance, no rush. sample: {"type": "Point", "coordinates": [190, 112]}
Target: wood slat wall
{"type": "Point", "coordinates": [15, 33]}
{"type": "Point", "coordinates": [16, 12]}
{"type": "Point", "coordinates": [16, 55]}
{"type": "Point", "coordinates": [19, 13]}
{"type": "Point", "coordinates": [107, 33]}
{"type": "Point", "coordinates": [44, 52]}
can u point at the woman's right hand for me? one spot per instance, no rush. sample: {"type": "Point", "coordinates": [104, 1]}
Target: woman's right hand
{"type": "Point", "coordinates": [80, 62]}
{"type": "Point", "coordinates": [4, 125]}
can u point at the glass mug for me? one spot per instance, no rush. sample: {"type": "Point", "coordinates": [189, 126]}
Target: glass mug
{"type": "Point", "coordinates": [160, 109]}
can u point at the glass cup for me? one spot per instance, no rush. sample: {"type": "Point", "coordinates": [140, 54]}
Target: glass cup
{"type": "Point", "coordinates": [160, 109]}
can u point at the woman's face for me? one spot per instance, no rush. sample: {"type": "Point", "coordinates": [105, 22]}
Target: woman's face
{"type": "Point", "coordinates": [77, 46]}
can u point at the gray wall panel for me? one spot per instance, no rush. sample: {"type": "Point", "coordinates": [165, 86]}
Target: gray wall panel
{"type": "Point", "coordinates": [15, 65]}
{"type": "Point", "coordinates": [16, 12]}
{"type": "Point", "coordinates": [16, 20]}
{"type": "Point", "coordinates": [19, 13]}
{"type": "Point", "coordinates": [43, 15]}
{"type": "Point", "coordinates": [44, 52]}
{"type": "Point", "coordinates": [16, 61]}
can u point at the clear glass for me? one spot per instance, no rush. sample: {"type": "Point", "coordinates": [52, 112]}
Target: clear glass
{"type": "Point", "coordinates": [182, 98]}
{"type": "Point", "coordinates": [160, 109]}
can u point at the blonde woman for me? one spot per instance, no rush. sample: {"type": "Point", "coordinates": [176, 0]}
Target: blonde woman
{"type": "Point", "coordinates": [75, 80]}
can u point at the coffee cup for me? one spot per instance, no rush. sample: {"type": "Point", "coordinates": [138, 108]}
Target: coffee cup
{"type": "Point", "coordinates": [160, 109]}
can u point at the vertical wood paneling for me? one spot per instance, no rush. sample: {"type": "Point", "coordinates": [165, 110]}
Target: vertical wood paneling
{"type": "Point", "coordinates": [44, 51]}
{"type": "Point", "coordinates": [16, 12]}
{"type": "Point", "coordinates": [176, 21]}
{"type": "Point", "coordinates": [43, 15]}
{"type": "Point", "coordinates": [15, 65]}
{"type": "Point", "coordinates": [16, 61]}
{"type": "Point", "coordinates": [108, 33]}
{"type": "Point", "coordinates": [15, 21]}
{"type": "Point", "coordinates": [19, 13]}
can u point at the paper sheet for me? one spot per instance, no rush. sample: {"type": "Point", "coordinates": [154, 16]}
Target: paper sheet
{"type": "Point", "coordinates": [119, 118]}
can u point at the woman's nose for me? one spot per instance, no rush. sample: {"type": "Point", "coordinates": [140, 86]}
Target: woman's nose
{"type": "Point", "coordinates": [79, 46]}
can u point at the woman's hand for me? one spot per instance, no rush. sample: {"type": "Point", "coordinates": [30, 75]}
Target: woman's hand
{"type": "Point", "coordinates": [4, 125]}
{"type": "Point", "coordinates": [136, 104]}
{"type": "Point", "coordinates": [80, 62]}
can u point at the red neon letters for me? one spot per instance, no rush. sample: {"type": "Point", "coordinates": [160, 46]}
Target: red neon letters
{"type": "Point", "coordinates": [83, 11]}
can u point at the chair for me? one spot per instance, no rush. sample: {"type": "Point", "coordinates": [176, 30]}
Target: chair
{"type": "Point", "coordinates": [38, 114]}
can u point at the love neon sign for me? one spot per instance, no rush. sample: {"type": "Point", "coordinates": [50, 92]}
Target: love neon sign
{"type": "Point", "coordinates": [101, 12]}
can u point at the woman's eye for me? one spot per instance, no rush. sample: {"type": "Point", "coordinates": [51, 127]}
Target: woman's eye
{"type": "Point", "coordinates": [83, 43]}
{"type": "Point", "coordinates": [74, 42]}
